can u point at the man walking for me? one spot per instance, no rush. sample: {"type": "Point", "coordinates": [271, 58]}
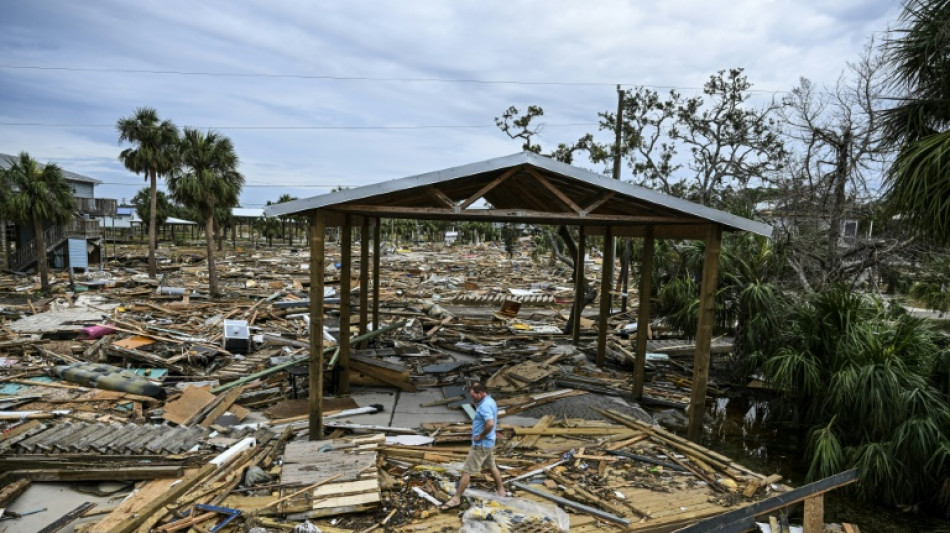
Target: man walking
{"type": "Point", "coordinates": [480, 456]}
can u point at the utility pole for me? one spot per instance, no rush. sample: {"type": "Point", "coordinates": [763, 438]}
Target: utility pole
{"type": "Point", "coordinates": [625, 254]}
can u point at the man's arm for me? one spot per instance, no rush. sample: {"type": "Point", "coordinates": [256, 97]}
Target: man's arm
{"type": "Point", "coordinates": [489, 424]}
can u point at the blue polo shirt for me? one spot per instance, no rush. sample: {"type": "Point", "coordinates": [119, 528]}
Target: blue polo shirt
{"type": "Point", "coordinates": [486, 410]}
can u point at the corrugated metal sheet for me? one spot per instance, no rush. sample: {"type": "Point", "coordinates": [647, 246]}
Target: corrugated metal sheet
{"type": "Point", "coordinates": [78, 256]}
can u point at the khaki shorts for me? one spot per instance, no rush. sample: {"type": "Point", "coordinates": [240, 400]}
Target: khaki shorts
{"type": "Point", "coordinates": [479, 458]}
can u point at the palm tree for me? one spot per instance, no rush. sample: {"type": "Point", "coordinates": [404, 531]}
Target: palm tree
{"type": "Point", "coordinates": [142, 202]}
{"type": "Point", "coordinates": [918, 184]}
{"type": "Point", "coordinates": [37, 194]}
{"type": "Point", "coordinates": [207, 181]}
{"type": "Point", "coordinates": [863, 377]}
{"type": "Point", "coordinates": [154, 155]}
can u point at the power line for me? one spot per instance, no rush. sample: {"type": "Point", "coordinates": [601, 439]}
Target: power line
{"type": "Point", "coordinates": [419, 127]}
{"type": "Point", "coordinates": [285, 185]}
{"type": "Point", "coordinates": [359, 78]}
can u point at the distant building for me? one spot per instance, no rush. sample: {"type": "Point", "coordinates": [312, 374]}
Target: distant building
{"type": "Point", "coordinates": [72, 245]}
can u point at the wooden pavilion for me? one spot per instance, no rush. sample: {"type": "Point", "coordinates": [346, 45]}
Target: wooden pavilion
{"type": "Point", "coordinates": [523, 188]}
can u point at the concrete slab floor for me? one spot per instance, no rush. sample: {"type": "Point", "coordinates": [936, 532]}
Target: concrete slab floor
{"type": "Point", "coordinates": [408, 412]}
{"type": "Point", "coordinates": [58, 499]}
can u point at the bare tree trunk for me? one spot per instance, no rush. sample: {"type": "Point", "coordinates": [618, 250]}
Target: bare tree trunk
{"type": "Point", "coordinates": [841, 180]}
{"type": "Point", "coordinates": [212, 275]}
{"type": "Point", "coordinates": [590, 293]}
{"type": "Point", "coordinates": [41, 265]}
{"type": "Point", "coordinates": [152, 234]}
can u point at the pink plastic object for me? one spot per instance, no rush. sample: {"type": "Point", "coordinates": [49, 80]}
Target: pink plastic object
{"type": "Point", "coordinates": [94, 332]}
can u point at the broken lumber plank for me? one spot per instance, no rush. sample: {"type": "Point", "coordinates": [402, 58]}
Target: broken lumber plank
{"type": "Point", "coordinates": [596, 430]}
{"type": "Point", "coordinates": [128, 473]}
{"type": "Point", "coordinates": [399, 380]}
{"type": "Point", "coordinates": [12, 491]}
{"type": "Point", "coordinates": [294, 362]}
{"type": "Point", "coordinates": [188, 406]}
{"type": "Point", "coordinates": [573, 490]}
{"type": "Point", "coordinates": [572, 504]}
{"type": "Point", "coordinates": [172, 494]}
{"type": "Point", "coordinates": [755, 485]}
{"type": "Point", "coordinates": [223, 406]}
{"type": "Point", "coordinates": [532, 440]}
{"type": "Point", "coordinates": [145, 357]}
{"type": "Point", "coordinates": [743, 519]}
{"type": "Point", "coordinates": [127, 510]}
{"type": "Point", "coordinates": [67, 518]}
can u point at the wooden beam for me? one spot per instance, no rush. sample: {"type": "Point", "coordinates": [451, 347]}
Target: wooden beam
{"type": "Point", "coordinates": [377, 246]}
{"type": "Point", "coordinates": [678, 232]}
{"type": "Point", "coordinates": [346, 271]}
{"type": "Point", "coordinates": [606, 277]}
{"type": "Point", "coordinates": [578, 285]}
{"type": "Point", "coordinates": [517, 215]}
{"type": "Point", "coordinates": [707, 312]}
{"type": "Point", "coordinates": [364, 277]}
{"type": "Point", "coordinates": [67, 518]}
{"type": "Point", "coordinates": [169, 496]}
{"type": "Point", "coordinates": [12, 491]}
{"type": "Point", "coordinates": [556, 192]}
{"type": "Point", "coordinates": [317, 254]}
{"type": "Point", "coordinates": [743, 518]}
{"type": "Point", "coordinates": [597, 203]}
{"type": "Point", "coordinates": [814, 519]}
{"type": "Point", "coordinates": [491, 185]}
{"type": "Point", "coordinates": [441, 197]}
{"type": "Point", "coordinates": [643, 315]}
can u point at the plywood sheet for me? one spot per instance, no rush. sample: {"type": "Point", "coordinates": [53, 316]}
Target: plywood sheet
{"type": "Point", "coordinates": [134, 342]}
{"type": "Point", "coordinates": [189, 404]}
{"type": "Point", "coordinates": [349, 467]}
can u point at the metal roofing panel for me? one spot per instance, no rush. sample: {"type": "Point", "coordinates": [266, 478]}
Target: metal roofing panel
{"type": "Point", "coordinates": [522, 158]}
{"type": "Point", "coordinates": [7, 159]}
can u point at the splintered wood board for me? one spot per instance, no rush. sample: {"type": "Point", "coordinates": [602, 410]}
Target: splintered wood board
{"type": "Point", "coordinates": [340, 495]}
{"type": "Point", "coordinates": [189, 404]}
{"type": "Point", "coordinates": [143, 495]}
{"type": "Point", "coordinates": [304, 463]}
{"type": "Point", "coordinates": [672, 507]}
{"type": "Point", "coordinates": [350, 466]}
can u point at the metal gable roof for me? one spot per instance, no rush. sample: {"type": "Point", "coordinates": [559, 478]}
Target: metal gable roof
{"type": "Point", "coordinates": [6, 160]}
{"type": "Point", "coordinates": [466, 179]}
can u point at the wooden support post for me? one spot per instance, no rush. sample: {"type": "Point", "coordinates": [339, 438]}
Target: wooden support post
{"type": "Point", "coordinates": [707, 311]}
{"type": "Point", "coordinates": [606, 277]}
{"type": "Point", "coordinates": [377, 246]}
{"type": "Point", "coordinates": [643, 315]}
{"type": "Point", "coordinates": [364, 277]}
{"type": "Point", "coordinates": [578, 285]}
{"type": "Point", "coordinates": [814, 520]}
{"type": "Point", "coordinates": [318, 223]}
{"type": "Point", "coordinates": [346, 260]}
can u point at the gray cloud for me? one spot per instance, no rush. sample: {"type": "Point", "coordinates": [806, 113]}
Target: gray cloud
{"type": "Point", "coordinates": [674, 43]}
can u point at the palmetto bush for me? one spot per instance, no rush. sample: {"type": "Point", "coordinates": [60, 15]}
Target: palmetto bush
{"type": "Point", "coordinates": [860, 374]}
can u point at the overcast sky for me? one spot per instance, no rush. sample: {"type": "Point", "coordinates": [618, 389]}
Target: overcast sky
{"type": "Point", "coordinates": [321, 94]}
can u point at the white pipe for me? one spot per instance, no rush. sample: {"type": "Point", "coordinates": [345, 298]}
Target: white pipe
{"type": "Point", "coordinates": [424, 495]}
{"type": "Point", "coordinates": [233, 451]}
{"type": "Point", "coordinates": [350, 412]}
